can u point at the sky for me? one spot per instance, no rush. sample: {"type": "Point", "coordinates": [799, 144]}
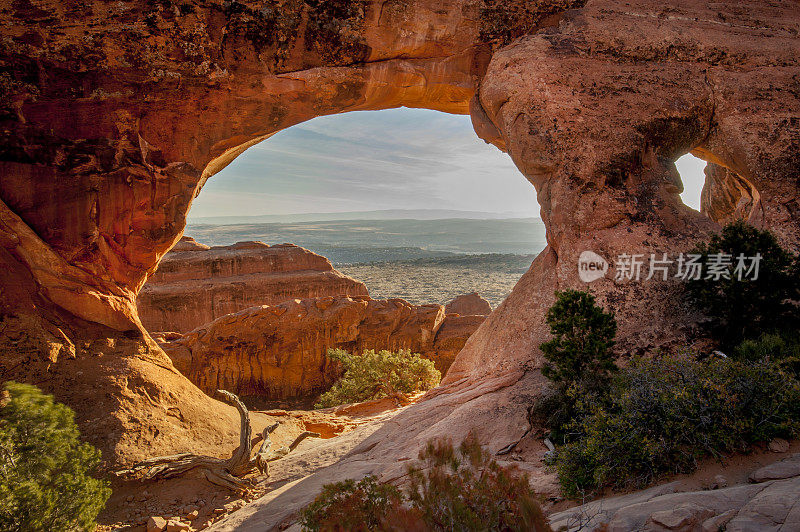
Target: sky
{"type": "Point", "coordinates": [374, 160]}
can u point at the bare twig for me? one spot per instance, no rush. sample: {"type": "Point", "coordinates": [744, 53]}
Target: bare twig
{"type": "Point", "coordinates": [227, 473]}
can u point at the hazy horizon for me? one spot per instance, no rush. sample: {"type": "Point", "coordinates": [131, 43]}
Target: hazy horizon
{"type": "Point", "coordinates": [383, 214]}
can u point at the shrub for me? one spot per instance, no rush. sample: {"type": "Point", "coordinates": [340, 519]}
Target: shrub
{"type": "Point", "coordinates": [663, 415]}
{"type": "Point", "coordinates": [374, 375]}
{"type": "Point", "coordinates": [781, 348]}
{"type": "Point", "coordinates": [465, 489]}
{"type": "Point", "coordinates": [45, 483]}
{"type": "Point", "coordinates": [745, 308]}
{"type": "Point", "coordinates": [579, 360]}
{"type": "Point", "coordinates": [557, 407]}
{"type": "Point", "coordinates": [583, 335]}
{"type": "Point", "coordinates": [348, 505]}
{"type": "Point", "coordinates": [455, 489]}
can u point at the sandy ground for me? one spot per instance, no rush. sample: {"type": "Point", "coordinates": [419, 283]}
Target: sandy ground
{"type": "Point", "coordinates": [193, 500]}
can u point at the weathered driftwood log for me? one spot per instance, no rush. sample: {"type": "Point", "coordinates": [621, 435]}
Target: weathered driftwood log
{"type": "Point", "coordinates": [227, 473]}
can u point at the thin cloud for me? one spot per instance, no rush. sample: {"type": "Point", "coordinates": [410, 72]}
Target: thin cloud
{"type": "Point", "coordinates": [394, 159]}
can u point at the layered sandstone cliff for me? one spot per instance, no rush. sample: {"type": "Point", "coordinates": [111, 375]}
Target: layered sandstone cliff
{"type": "Point", "coordinates": [195, 284]}
{"type": "Point", "coordinates": [280, 351]}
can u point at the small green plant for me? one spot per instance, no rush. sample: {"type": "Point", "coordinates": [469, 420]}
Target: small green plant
{"type": "Point", "coordinates": [452, 489]}
{"type": "Point", "coordinates": [579, 360]}
{"type": "Point", "coordinates": [745, 308]}
{"type": "Point", "coordinates": [373, 375]}
{"type": "Point", "coordinates": [583, 336]}
{"type": "Point", "coordinates": [45, 481]}
{"type": "Point", "coordinates": [665, 414]}
{"type": "Point", "coordinates": [348, 505]}
{"type": "Point", "coordinates": [781, 348]}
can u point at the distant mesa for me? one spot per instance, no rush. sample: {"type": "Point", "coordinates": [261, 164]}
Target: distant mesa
{"type": "Point", "coordinates": [187, 243]}
{"type": "Point", "coordinates": [196, 284]}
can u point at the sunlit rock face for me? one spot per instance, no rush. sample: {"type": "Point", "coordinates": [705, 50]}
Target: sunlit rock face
{"type": "Point", "coordinates": [594, 112]}
{"type": "Point", "coordinates": [195, 284]}
{"type": "Point", "coordinates": [727, 196]}
{"type": "Point", "coordinates": [280, 351]}
{"type": "Point", "coordinates": [468, 305]}
{"type": "Point", "coordinates": [114, 115]}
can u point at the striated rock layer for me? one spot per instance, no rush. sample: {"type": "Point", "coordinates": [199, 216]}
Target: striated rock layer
{"type": "Point", "coordinates": [195, 284]}
{"type": "Point", "coordinates": [280, 351]}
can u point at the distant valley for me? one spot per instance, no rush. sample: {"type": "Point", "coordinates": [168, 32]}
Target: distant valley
{"type": "Point", "coordinates": [422, 261]}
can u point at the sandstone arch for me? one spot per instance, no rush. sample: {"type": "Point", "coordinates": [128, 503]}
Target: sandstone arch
{"type": "Point", "coordinates": [114, 115]}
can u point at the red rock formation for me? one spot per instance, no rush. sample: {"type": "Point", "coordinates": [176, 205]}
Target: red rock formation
{"type": "Point", "coordinates": [451, 338]}
{"type": "Point", "coordinates": [195, 284]}
{"type": "Point", "coordinates": [280, 351]}
{"type": "Point", "coordinates": [115, 114]}
{"type": "Point", "coordinates": [727, 196]}
{"type": "Point", "coordinates": [469, 305]}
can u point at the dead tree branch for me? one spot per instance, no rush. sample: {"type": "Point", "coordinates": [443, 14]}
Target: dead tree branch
{"type": "Point", "coordinates": [228, 473]}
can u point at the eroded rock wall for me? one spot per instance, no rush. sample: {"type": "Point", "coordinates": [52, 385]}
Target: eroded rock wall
{"type": "Point", "coordinates": [594, 113]}
{"type": "Point", "coordinates": [280, 351]}
{"type": "Point", "coordinates": [194, 286]}
{"type": "Point", "coordinates": [114, 115]}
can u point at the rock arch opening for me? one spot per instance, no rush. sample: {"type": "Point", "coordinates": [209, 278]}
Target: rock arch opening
{"type": "Point", "coordinates": [421, 182]}
{"type": "Point", "coordinates": [409, 206]}
{"type": "Point", "coordinates": [716, 190]}
{"type": "Point", "coordinates": [691, 170]}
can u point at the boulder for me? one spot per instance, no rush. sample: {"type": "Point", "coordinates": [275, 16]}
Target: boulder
{"type": "Point", "coordinates": [770, 506]}
{"type": "Point", "coordinates": [687, 516]}
{"type": "Point", "coordinates": [778, 445]}
{"type": "Point", "coordinates": [469, 305]}
{"type": "Point", "coordinates": [175, 525]}
{"type": "Point", "coordinates": [787, 468]}
{"type": "Point", "coordinates": [156, 524]}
